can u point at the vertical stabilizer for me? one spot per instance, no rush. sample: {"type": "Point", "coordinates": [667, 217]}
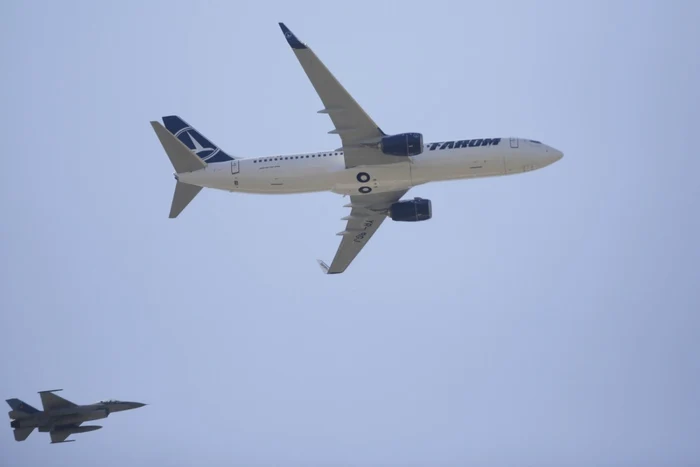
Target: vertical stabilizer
{"type": "Point", "coordinates": [195, 141]}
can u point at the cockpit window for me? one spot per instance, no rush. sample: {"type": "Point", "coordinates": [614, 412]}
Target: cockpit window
{"type": "Point", "coordinates": [536, 142]}
{"type": "Point", "coordinates": [110, 401]}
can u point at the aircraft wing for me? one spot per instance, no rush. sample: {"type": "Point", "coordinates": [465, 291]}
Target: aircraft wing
{"type": "Point", "coordinates": [53, 402]}
{"type": "Point", "coordinates": [368, 213]}
{"type": "Point", "coordinates": [60, 434]}
{"type": "Point", "coordinates": [358, 132]}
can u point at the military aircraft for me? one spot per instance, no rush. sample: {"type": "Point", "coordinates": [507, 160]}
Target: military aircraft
{"type": "Point", "coordinates": [60, 417]}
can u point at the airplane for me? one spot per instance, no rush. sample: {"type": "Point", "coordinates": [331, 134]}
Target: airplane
{"type": "Point", "coordinates": [373, 168]}
{"type": "Point", "coordinates": [60, 417]}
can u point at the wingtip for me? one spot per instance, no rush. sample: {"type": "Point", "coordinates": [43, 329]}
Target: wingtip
{"type": "Point", "coordinates": [324, 266]}
{"type": "Point", "coordinates": [291, 38]}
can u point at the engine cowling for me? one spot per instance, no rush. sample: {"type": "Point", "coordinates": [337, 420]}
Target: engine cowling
{"type": "Point", "coordinates": [404, 144]}
{"type": "Point", "coordinates": [415, 210]}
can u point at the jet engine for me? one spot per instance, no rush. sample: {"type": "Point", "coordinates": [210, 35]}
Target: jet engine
{"type": "Point", "coordinates": [404, 144]}
{"type": "Point", "coordinates": [415, 210]}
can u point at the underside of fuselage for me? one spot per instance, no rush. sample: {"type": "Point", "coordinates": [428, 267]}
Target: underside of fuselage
{"type": "Point", "coordinates": [326, 171]}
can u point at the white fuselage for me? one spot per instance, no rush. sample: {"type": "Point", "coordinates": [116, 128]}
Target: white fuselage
{"type": "Point", "coordinates": [326, 171]}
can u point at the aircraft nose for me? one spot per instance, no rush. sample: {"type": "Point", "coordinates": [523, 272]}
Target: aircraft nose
{"type": "Point", "coordinates": [556, 154]}
{"type": "Point", "coordinates": [132, 405]}
{"type": "Point", "coordinates": [552, 155]}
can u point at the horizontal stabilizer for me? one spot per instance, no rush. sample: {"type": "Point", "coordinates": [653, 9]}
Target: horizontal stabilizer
{"type": "Point", "coordinates": [22, 433]}
{"type": "Point", "coordinates": [182, 159]}
{"type": "Point", "coordinates": [184, 193]}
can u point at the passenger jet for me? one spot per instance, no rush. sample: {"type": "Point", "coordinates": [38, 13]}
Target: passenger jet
{"type": "Point", "coordinates": [373, 168]}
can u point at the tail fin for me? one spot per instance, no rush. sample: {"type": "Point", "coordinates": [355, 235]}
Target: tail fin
{"type": "Point", "coordinates": [194, 140]}
{"type": "Point", "coordinates": [180, 156]}
{"type": "Point", "coordinates": [21, 406]}
{"type": "Point", "coordinates": [183, 160]}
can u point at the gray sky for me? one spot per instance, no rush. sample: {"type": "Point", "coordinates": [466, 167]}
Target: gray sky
{"type": "Point", "coordinates": [549, 318]}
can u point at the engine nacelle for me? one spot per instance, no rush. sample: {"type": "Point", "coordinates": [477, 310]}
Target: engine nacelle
{"type": "Point", "coordinates": [415, 210]}
{"type": "Point", "coordinates": [405, 144]}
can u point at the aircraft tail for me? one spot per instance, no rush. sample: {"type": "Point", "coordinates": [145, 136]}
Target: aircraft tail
{"type": "Point", "coordinates": [181, 157]}
{"type": "Point", "coordinates": [183, 160]}
{"type": "Point", "coordinates": [188, 151]}
{"type": "Point", "coordinates": [20, 407]}
{"type": "Point", "coordinates": [184, 193]}
{"type": "Point", "coordinates": [22, 433]}
{"type": "Point", "coordinates": [195, 141]}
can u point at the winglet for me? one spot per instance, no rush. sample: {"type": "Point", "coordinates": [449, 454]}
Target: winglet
{"type": "Point", "coordinates": [291, 38]}
{"type": "Point", "coordinates": [324, 266]}
{"type": "Point", "coordinates": [50, 390]}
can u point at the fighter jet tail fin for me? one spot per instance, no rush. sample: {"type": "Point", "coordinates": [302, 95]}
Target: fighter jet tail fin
{"type": "Point", "coordinates": [22, 433]}
{"type": "Point", "coordinates": [21, 406]}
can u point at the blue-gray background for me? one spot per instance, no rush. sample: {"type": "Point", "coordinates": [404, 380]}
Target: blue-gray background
{"type": "Point", "coordinates": [549, 318]}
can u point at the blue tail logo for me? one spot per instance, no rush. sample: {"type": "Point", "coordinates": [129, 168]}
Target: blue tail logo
{"type": "Point", "coordinates": [194, 140]}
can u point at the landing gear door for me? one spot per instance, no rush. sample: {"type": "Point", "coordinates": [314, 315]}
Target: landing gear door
{"type": "Point", "coordinates": [514, 142]}
{"type": "Point", "coordinates": [234, 167]}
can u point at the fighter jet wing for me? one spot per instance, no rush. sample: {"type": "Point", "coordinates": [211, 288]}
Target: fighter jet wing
{"type": "Point", "coordinates": [368, 213]}
{"type": "Point", "coordinates": [53, 402]}
{"type": "Point", "coordinates": [358, 132]}
{"type": "Point", "coordinates": [60, 434]}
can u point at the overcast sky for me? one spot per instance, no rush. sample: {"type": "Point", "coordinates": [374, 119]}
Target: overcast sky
{"type": "Point", "coordinates": [548, 318]}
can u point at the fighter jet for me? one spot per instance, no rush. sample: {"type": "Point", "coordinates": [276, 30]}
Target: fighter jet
{"type": "Point", "coordinates": [60, 417]}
